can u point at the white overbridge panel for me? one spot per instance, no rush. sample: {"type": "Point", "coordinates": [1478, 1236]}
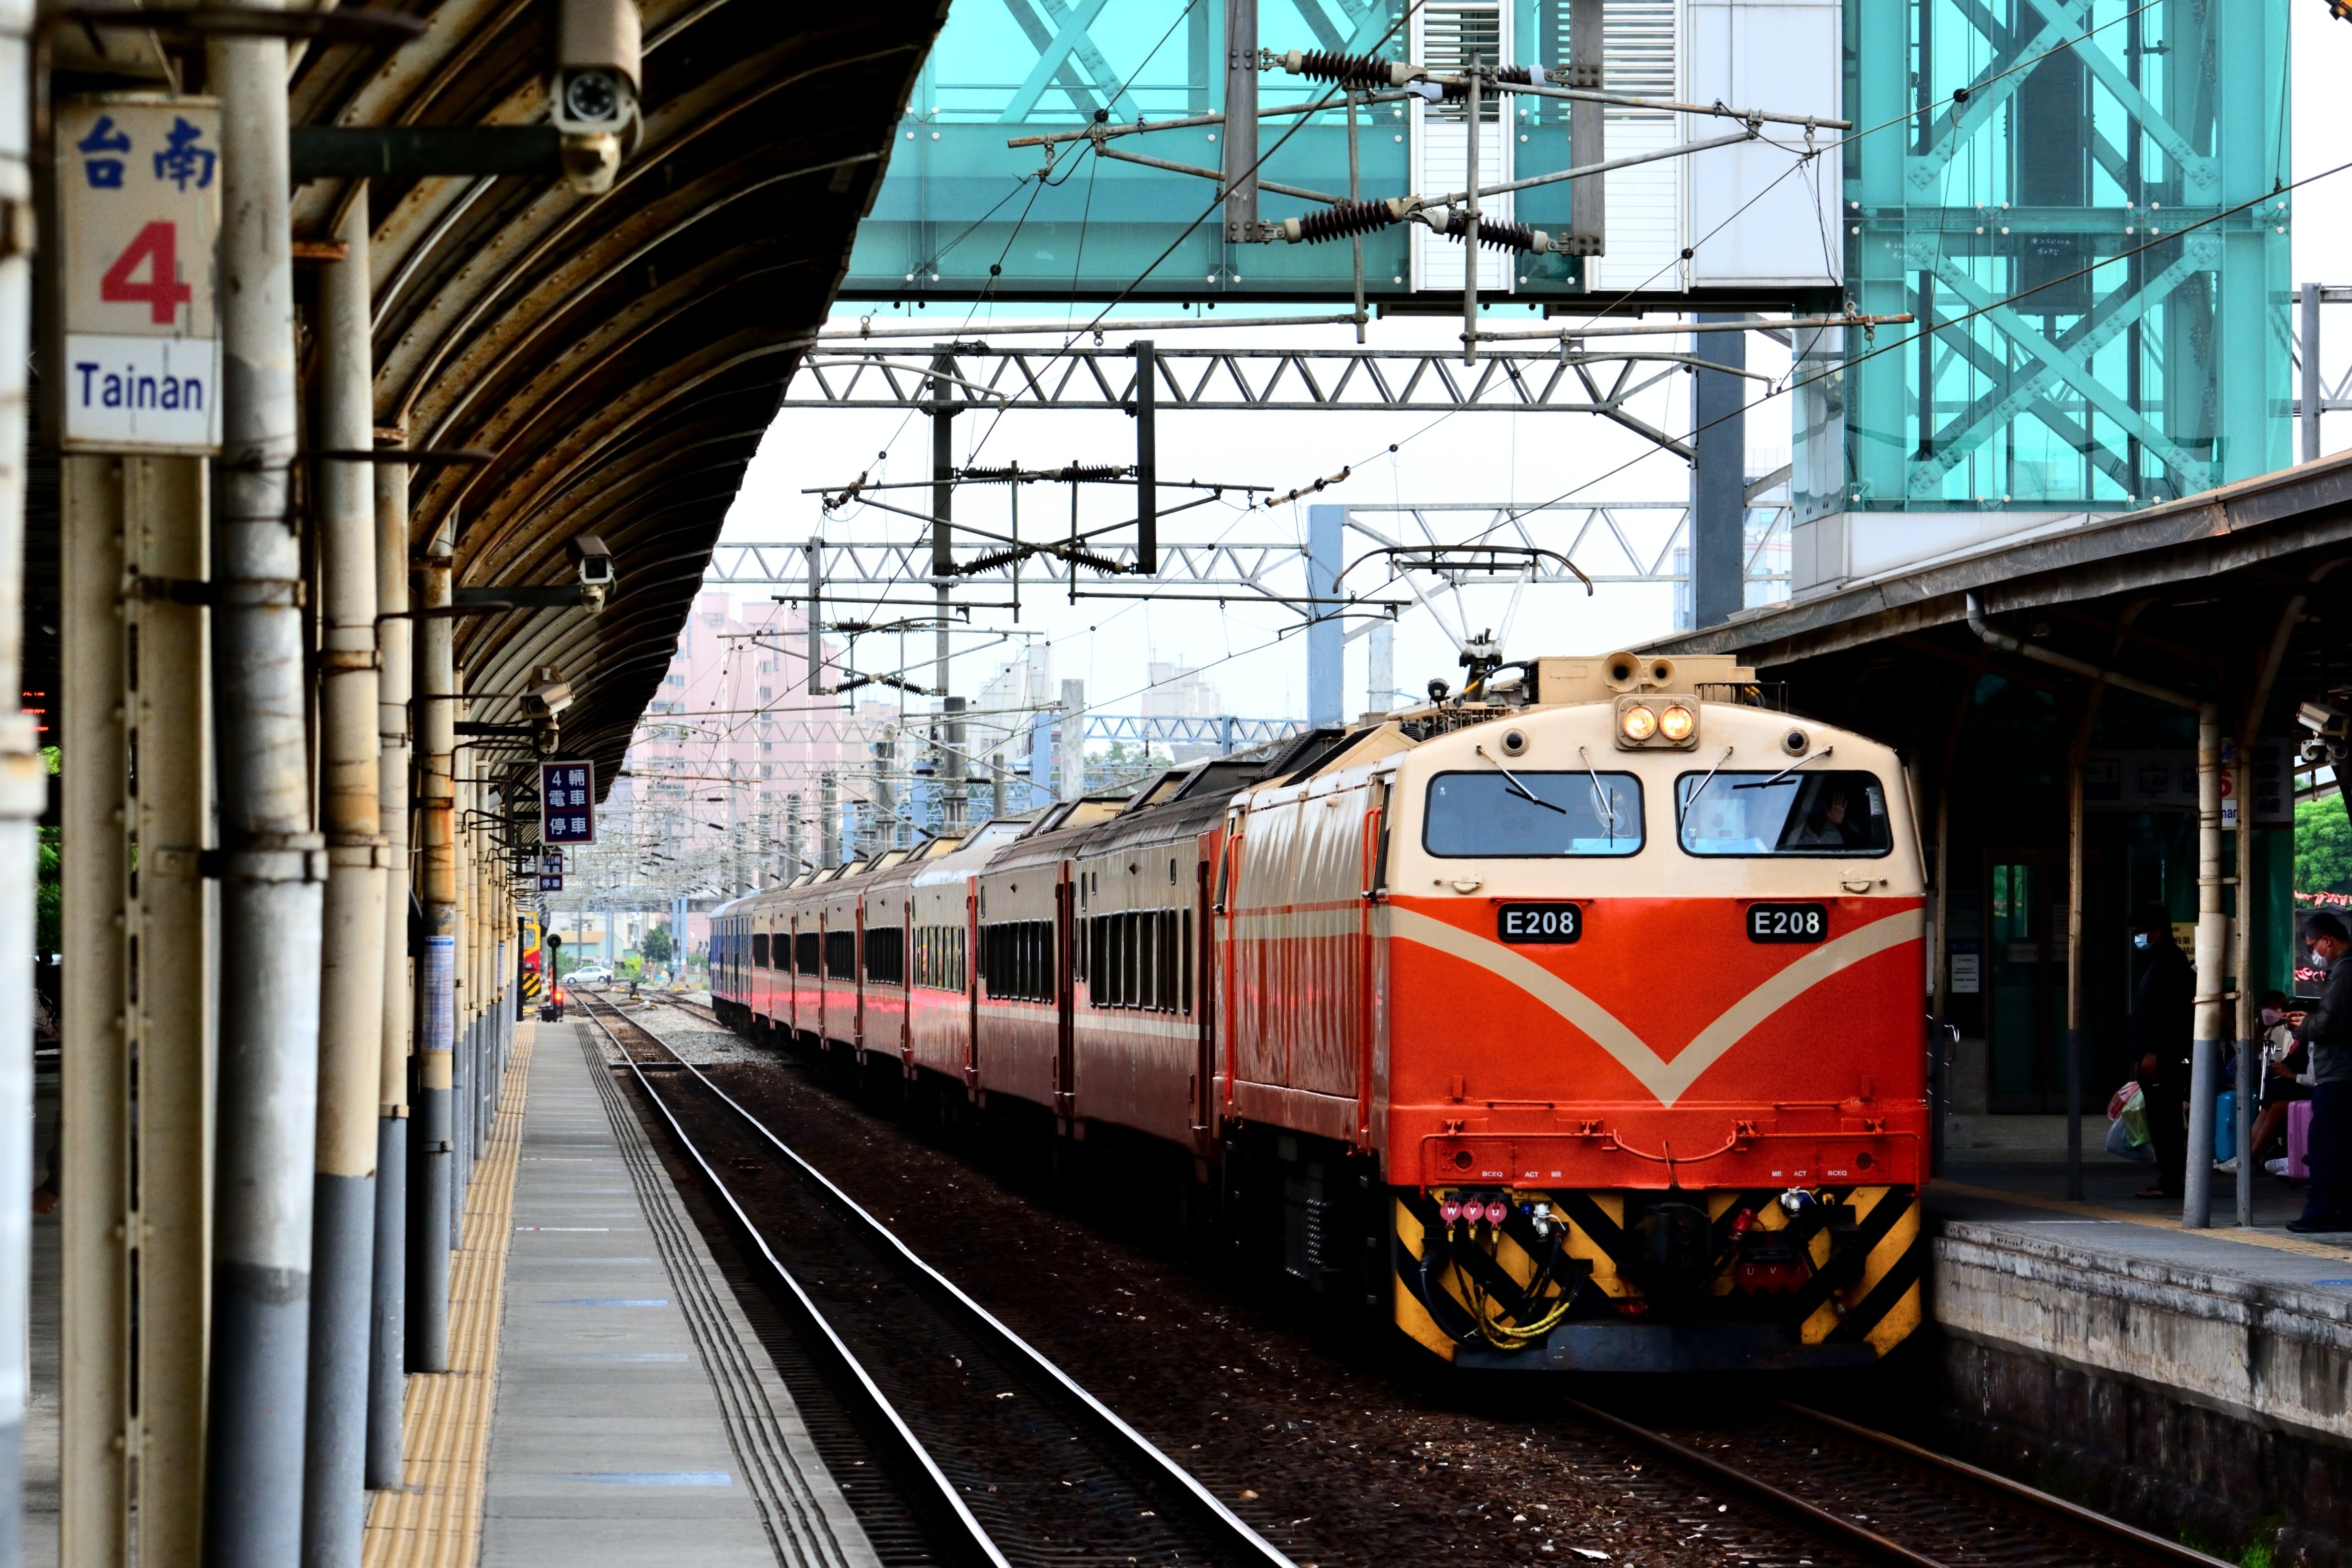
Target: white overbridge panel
{"type": "Point", "coordinates": [1753, 216]}
{"type": "Point", "coordinates": [1445, 35]}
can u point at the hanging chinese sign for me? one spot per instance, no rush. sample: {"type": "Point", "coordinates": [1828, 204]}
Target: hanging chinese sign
{"type": "Point", "coordinates": [567, 802]}
{"type": "Point", "coordinates": [139, 198]}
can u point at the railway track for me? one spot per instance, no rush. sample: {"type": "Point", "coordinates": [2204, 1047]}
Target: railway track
{"type": "Point", "coordinates": [1890, 1502]}
{"type": "Point", "coordinates": [1006, 1458]}
{"type": "Point", "coordinates": [1814, 1489]}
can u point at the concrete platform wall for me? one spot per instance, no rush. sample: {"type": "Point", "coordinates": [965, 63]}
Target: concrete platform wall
{"type": "Point", "coordinates": [2187, 1398]}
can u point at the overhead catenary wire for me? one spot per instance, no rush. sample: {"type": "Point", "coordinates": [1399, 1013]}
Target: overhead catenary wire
{"type": "Point", "coordinates": [1520, 511]}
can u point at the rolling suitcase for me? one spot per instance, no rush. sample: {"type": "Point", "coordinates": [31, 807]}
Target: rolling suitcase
{"type": "Point", "coordinates": [2298, 1142]}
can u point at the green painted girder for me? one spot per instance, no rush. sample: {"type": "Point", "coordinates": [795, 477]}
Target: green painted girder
{"type": "Point", "coordinates": [2066, 359]}
{"type": "Point", "coordinates": [2138, 378]}
{"type": "Point", "coordinates": [2063, 24]}
{"type": "Point", "coordinates": [957, 201]}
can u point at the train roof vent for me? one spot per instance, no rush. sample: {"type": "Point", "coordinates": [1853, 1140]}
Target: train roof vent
{"type": "Point", "coordinates": [1321, 757]}
{"type": "Point", "coordinates": [1305, 751]}
{"type": "Point", "coordinates": [1219, 776]}
{"type": "Point", "coordinates": [1163, 787]}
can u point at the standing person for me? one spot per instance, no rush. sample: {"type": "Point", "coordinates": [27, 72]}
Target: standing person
{"type": "Point", "coordinates": [2326, 1031]}
{"type": "Point", "coordinates": [2161, 1030]}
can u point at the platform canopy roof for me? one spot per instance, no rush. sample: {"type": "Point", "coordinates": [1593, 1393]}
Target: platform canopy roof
{"type": "Point", "coordinates": [2230, 596]}
{"type": "Point", "coordinates": [620, 354]}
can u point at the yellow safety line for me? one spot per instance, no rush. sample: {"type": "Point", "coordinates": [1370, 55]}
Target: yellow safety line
{"type": "Point", "coordinates": [2338, 1251]}
{"type": "Point", "coordinates": [435, 1519]}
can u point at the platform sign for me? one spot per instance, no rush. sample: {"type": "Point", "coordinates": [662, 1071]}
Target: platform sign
{"type": "Point", "coordinates": [550, 882]}
{"type": "Point", "coordinates": [2155, 781]}
{"type": "Point", "coordinates": [139, 199]}
{"type": "Point", "coordinates": [567, 804]}
{"type": "Point", "coordinates": [551, 864]}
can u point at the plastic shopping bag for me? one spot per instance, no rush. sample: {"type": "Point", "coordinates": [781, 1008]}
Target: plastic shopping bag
{"type": "Point", "coordinates": [2119, 1142]}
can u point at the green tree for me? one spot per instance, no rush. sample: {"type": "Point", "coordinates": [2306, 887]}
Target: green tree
{"type": "Point", "coordinates": [48, 892]}
{"type": "Point", "coordinates": [655, 945]}
{"type": "Point", "coordinates": [2323, 847]}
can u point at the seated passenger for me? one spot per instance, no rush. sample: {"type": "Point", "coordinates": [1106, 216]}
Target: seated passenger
{"type": "Point", "coordinates": [2285, 1079]}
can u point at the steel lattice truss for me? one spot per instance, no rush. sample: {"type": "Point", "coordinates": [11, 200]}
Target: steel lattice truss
{"type": "Point", "coordinates": [1216, 729]}
{"type": "Point", "coordinates": [2099, 287]}
{"type": "Point", "coordinates": [1224, 564]}
{"type": "Point", "coordinates": [1614, 541]}
{"type": "Point", "coordinates": [1264, 380]}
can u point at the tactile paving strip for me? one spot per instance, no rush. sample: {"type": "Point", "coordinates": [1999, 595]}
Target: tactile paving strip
{"type": "Point", "coordinates": [435, 1519]}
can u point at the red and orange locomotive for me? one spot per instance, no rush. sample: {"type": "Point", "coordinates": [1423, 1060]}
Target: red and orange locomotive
{"type": "Point", "coordinates": [1576, 1021]}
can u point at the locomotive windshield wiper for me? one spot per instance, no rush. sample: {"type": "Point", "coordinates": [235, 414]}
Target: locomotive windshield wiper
{"type": "Point", "coordinates": [1792, 767]}
{"type": "Point", "coordinates": [1512, 779]}
{"type": "Point", "coordinates": [1685, 804]}
{"type": "Point", "coordinates": [1599, 796]}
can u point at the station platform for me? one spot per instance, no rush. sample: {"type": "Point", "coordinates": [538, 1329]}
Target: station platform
{"type": "Point", "coordinates": [608, 1402]}
{"type": "Point", "coordinates": [2102, 1343]}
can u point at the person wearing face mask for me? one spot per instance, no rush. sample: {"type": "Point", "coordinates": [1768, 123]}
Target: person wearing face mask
{"type": "Point", "coordinates": [2160, 1031]}
{"type": "Point", "coordinates": [2283, 1061]}
{"type": "Point", "coordinates": [2326, 1032]}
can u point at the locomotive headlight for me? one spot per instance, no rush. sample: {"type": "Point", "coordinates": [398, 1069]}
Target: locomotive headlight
{"type": "Point", "coordinates": [1677, 724]}
{"type": "Point", "coordinates": [1637, 723]}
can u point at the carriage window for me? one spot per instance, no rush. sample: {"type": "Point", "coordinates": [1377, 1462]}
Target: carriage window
{"type": "Point", "coordinates": [938, 957]}
{"type": "Point", "coordinates": [804, 953]}
{"type": "Point", "coordinates": [1800, 814]}
{"type": "Point", "coordinates": [885, 956]}
{"type": "Point", "coordinates": [759, 951]}
{"type": "Point", "coordinates": [1139, 959]}
{"type": "Point", "coordinates": [1528, 814]}
{"type": "Point", "coordinates": [841, 955]}
{"type": "Point", "coordinates": [1017, 959]}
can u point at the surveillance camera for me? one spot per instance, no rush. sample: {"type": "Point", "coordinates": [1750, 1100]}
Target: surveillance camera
{"type": "Point", "coordinates": [593, 557]}
{"type": "Point", "coordinates": [595, 562]}
{"type": "Point", "coordinates": [592, 97]}
{"type": "Point", "coordinates": [2320, 718]}
{"type": "Point", "coordinates": [547, 700]}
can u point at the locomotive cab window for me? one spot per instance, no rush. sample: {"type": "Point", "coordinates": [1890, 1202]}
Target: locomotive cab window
{"type": "Point", "coordinates": [1807, 815]}
{"type": "Point", "coordinates": [1522, 814]}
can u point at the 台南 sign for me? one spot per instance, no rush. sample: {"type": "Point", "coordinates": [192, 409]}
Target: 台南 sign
{"type": "Point", "coordinates": [138, 196]}
{"type": "Point", "coordinates": [567, 804]}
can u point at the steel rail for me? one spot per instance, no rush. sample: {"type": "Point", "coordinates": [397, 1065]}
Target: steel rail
{"type": "Point", "coordinates": [2130, 1542]}
{"type": "Point", "coordinates": [1217, 1524]}
{"type": "Point", "coordinates": [849, 1376]}
{"type": "Point", "coordinates": [2129, 1537]}
{"type": "Point", "coordinates": [1845, 1531]}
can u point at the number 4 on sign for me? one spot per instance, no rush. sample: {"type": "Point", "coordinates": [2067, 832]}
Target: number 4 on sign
{"type": "Point", "coordinates": [158, 246]}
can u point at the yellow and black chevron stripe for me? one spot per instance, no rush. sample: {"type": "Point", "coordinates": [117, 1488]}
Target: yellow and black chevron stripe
{"type": "Point", "coordinates": [1868, 1254]}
